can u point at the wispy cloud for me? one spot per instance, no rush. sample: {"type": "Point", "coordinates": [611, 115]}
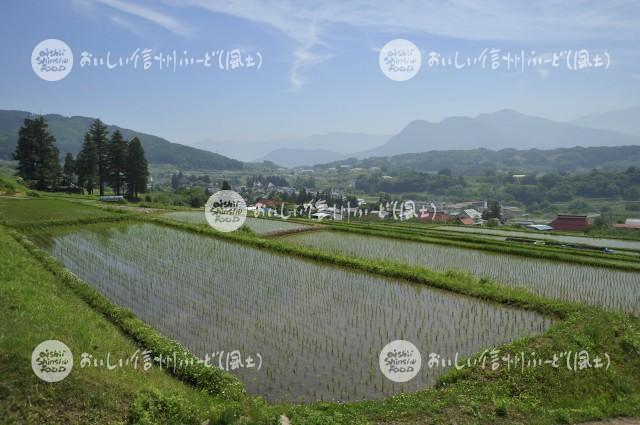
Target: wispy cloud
{"type": "Point", "coordinates": [515, 20]}
{"type": "Point", "coordinates": [175, 26]}
{"type": "Point", "coordinates": [304, 27]}
{"type": "Point", "coordinates": [304, 57]}
{"type": "Point", "coordinates": [126, 24]}
{"type": "Point", "coordinates": [308, 25]}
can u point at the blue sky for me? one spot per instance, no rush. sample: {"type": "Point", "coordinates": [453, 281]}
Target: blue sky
{"type": "Point", "coordinates": [320, 63]}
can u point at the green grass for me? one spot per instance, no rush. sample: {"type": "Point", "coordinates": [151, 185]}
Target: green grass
{"type": "Point", "coordinates": [24, 211]}
{"type": "Point", "coordinates": [9, 186]}
{"type": "Point", "coordinates": [614, 233]}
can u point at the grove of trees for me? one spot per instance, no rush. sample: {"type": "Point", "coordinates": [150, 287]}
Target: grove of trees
{"type": "Point", "coordinates": [103, 161]}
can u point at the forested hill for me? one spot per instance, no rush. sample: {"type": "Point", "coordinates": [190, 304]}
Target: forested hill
{"type": "Point", "coordinates": [479, 161]}
{"type": "Point", "coordinates": [69, 133]}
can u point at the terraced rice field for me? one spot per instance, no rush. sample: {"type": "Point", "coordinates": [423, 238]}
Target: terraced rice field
{"type": "Point", "coordinates": [32, 210]}
{"type": "Point", "coordinates": [604, 243]}
{"type": "Point", "coordinates": [258, 225]}
{"type": "Point", "coordinates": [607, 288]}
{"type": "Point", "coordinates": [318, 329]}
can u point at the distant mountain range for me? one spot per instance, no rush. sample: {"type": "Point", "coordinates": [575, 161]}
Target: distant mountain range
{"type": "Point", "coordinates": [506, 129]}
{"type": "Point", "coordinates": [291, 158]}
{"type": "Point", "coordinates": [296, 151]}
{"type": "Point", "coordinates": [69, 133]}
{"type": "Point", "coordinates": [622, 120]}
{"type": "Point", "coordinates": [499, 130]}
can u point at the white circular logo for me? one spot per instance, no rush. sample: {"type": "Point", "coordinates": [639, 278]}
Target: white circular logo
{"type": "Point", "coordinates": [52, 59]}
{"type": "Point", "coordinates": [400, 361]}
{"type": "Point", "coordinates": [400, 60]}
{"type": "Point", "coordinates": [225, 211]}
{"type": "Point", "coordinates": [52, 361]}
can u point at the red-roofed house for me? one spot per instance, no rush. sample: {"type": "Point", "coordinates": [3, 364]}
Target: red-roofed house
{"type": "Point", "coordinates": [267, 202]}
{"type": "Point", "coordinates": [441, 217]}
{"type": "Point", "coordinates": [438, 217]}
{"type": "Point", "coordinates": [467, 221]}
{"type": "Point", "coordinates": [569, 222]}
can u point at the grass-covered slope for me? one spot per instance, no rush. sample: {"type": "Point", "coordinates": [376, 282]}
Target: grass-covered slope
{"type": "Point", "coordinates": [21, 211]}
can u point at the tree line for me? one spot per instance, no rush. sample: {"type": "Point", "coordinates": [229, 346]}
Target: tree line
{"type": "Point", "coordinates": [442, 183]}
{"type": "Point", "coordinates": [526, 189]}
{"type": "Point", "coordinates": [105, 160]}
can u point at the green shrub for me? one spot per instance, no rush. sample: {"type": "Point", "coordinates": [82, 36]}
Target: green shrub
{"type": "Point", "coordinates": [150, 407]}
{"type": "Point", "coordinates": [7, 187]}
{"type": "Point", "coordinates": [632, 206]}
{"type": "Point", "coordinates": [500, 407]}
{"type": "Point", "coordinates": [493, 222]}
{"type": "Point", "coordinates": [249, 412]}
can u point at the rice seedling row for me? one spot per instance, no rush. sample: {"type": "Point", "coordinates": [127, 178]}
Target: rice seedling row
{"type": "Point", "coordinates": [484, 234]}
{"type": "Point", "coordinates": [258, 225]}
{"type": "Point", "coordinates": [610, 289]}
{"type": "Point", "coordinates": [614, 261]}
{"type": "Point", "coordinates": [319, 329]}
{"type": "Point", "coordinates": [605, 243]}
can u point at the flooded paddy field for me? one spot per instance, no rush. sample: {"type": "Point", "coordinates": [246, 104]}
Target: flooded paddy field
{"type": "Point", "coordinates": [607, 288]}
{"type": "Point", "coordinates": [317, 329]}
